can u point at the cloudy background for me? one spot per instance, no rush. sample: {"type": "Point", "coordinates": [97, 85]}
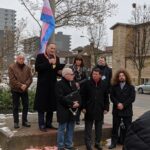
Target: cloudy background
{"type": "Point", "coordinates": [123, 15]}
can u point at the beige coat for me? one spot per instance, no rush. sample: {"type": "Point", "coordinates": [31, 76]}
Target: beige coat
{"type": "Point", "coordinates": [19, 76]}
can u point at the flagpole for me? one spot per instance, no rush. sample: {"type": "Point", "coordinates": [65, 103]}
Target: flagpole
{"type": "Point", "coordinates": [52, 3]}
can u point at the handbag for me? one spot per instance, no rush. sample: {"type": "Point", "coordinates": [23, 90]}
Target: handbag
{"type": "Point", "coordinates": [121, 133]}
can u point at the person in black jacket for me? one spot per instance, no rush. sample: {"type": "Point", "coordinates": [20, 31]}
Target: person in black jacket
{"type": "Point", "coordinates": [67, 109]}
{"type": "Point", "coordinates": [122, 96]}
{"type": "Point", "coordinates": [47, 66]}
{"type": "Point", "coordinates": [95, 104]}
{"type": "Point", "coordinates": [105, 70]}
{"type": "Point", "coordinates": [138, 134]}
{"type": "Point", "coordinates": [80, 76]}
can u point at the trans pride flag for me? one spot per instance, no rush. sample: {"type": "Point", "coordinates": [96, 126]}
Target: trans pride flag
{"type": "Point", "coordinates": [48, 24]}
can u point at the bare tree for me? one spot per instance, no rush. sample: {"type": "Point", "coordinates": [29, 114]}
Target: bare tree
{"type": "Point", "coordinates": [139, 40]}
{"type": "Point", "coordinates": [21, 25]}
{"type": "Point", "coordinates": [96, 34]}
{"type": "Point", "coordinates": [76, 13]}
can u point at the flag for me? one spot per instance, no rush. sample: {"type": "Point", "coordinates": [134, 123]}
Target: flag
{"type": "Point", "coordinates": [48, 24]}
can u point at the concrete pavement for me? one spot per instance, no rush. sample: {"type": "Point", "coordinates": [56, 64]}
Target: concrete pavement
{"type": "Point", "coordinates": [33, 136]}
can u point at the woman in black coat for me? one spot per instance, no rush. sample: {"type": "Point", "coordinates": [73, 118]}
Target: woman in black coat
{"type": "Point", "coordinates": [80, 76]}
{"type": "Point", "coordinates": [47, 66]}
{"type": "Point", "coordinates": [138, 134]}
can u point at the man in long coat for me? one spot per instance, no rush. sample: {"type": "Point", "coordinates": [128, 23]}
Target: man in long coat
{"type": "Point", "coordinates": [122, 96]}
{"type": "Point", "coordinates": [47, 66]}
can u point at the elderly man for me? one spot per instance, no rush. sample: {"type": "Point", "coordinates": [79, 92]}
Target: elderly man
{"type": "Point", "coordinates": [20, 78]}
{"type": "Point", "coordinates": [68, 102]}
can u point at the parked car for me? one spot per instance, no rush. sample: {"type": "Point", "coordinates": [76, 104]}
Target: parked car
{"type": "Point", "coordinates": [143, 88]}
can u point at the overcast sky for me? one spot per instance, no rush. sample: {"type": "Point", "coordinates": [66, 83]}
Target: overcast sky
{"type": "Point", "coordinates": [123, 14]}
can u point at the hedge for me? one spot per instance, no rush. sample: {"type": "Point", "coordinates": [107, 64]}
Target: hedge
{"type": "Point", "coordinates": [6, 101]}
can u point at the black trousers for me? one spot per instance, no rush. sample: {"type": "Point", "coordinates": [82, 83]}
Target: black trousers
{"type": "Point", "coordinates": [116, 123]}
{"type": "Point", "coordinates": [45, 118]}
{"type": "Point", "coordinates": [16, 96]}
{"type": "Point", "coordinates": [88, 132]}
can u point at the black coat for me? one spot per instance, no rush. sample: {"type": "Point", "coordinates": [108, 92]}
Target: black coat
{"type": "Point", "coordinates": [126, 96]}
{"type": "Point", "coordinates": [106, 75]}
{"type": "Point", "coordinates": [138, 134]}
{"type": "Point", "coordinates": [63, 88]}
{"type": "Point", "coordinates": [80, 75]}
{"type": "Point", "coordinates": [47, 76]}
{"type": "Point", "coordinates": [95, 100]}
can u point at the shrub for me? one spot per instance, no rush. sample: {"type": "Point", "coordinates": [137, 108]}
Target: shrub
{"type": "Point", "coordinates": [6, 101]}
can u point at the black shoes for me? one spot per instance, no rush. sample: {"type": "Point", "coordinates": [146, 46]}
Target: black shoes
{"type": "Point", "coordinates": [16, 125]}
{"type": "Point", "coordinates": [97, 146]}
{"type": "Point", "coordinates": [26, 124]}
{"type": "Point", "coordinates": [112, 146]}
{"type": "Point", "coordinates": [72, 148]}
{"type": "Point", "coordinates": [43, 129]}
{"type": "Point", "coordinates": [77, 122]}
{"type": "Point", "coordinates": [51, 127]}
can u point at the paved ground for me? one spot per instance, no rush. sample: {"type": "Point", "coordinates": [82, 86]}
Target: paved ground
{"type": "Point", "coordinates": [141, 105]}
{"type": "Point", "coordinates": [104, 148]}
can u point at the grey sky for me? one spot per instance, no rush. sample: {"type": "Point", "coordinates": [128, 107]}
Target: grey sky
{"type": "Point", "coordinates": [123, 14]}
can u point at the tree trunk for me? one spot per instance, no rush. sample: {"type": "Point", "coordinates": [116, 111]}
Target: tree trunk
{"type": "Point", "coordinates": [92, 55]}
{"type": "Point", "coordinates": [139, 76]}
{"type": "Point", "coordinates": [52, 3]}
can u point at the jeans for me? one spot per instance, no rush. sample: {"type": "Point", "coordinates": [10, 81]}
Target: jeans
{"type": "Point", "coordinates": [16, 102]}
{"type": "Point", "coordinates": [65, 139]}
{"type": "Point", "coordinates": [45, 120]}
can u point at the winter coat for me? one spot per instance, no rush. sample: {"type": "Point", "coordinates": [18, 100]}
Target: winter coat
{"type": "Point", "coordinates": [95, 99]}
{"type": "Point", "coordinates": [45, 99]}
{"type": "Point", "coordinates": [62, 90]}
{"type": "Point", "coordinates": [106, 75]}
{"type": "Point", "coordinates": [18, 76]}
{"type": "Point", "coordinates": [138, 134]}
{"type": "Point", "coordinates": [126, 96]}
{"type": "Point", "coordinates": [80, 75]}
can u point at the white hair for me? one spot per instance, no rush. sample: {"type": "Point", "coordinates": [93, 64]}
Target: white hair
{"type": "Point", "coordinates": [20, 54]}
{"type": "Point", "coordinates": [66, 71]}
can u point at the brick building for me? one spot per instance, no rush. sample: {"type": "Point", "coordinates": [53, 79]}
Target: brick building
{"type": "Point", "coordinates": [121, 51]}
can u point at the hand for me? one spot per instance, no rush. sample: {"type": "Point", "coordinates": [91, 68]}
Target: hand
{"type": "Point", "coordinates": [77, 85]}
{"type": "Point", "coordinates": [84, 111]}
{"type": "Point", "coordinates": [52, 61]}
{"type": "Point", "coordinates": [59, 72]}
{"type": "Point", "coordinates": [23, 87]}
{"type": "Point", "coordinates": [75, 104]}
{"type": "Point", "coordinates": [120, 106]}
{"type": "Point", "coordinates": [105, 111]}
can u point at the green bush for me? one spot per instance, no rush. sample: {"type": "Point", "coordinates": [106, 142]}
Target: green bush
{"type": "Point", "coordinates": [6, 101]}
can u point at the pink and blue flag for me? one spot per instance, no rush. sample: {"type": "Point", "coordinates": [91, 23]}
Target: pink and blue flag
{"type": "Point", "coordinates": [48, 25]}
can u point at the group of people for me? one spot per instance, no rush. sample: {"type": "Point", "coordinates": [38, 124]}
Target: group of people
{"type": "Point", "coordinates": [76, 92]}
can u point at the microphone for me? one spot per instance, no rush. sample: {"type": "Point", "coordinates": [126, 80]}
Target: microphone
{"type": "Point", "coordinates": [52, 57]}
